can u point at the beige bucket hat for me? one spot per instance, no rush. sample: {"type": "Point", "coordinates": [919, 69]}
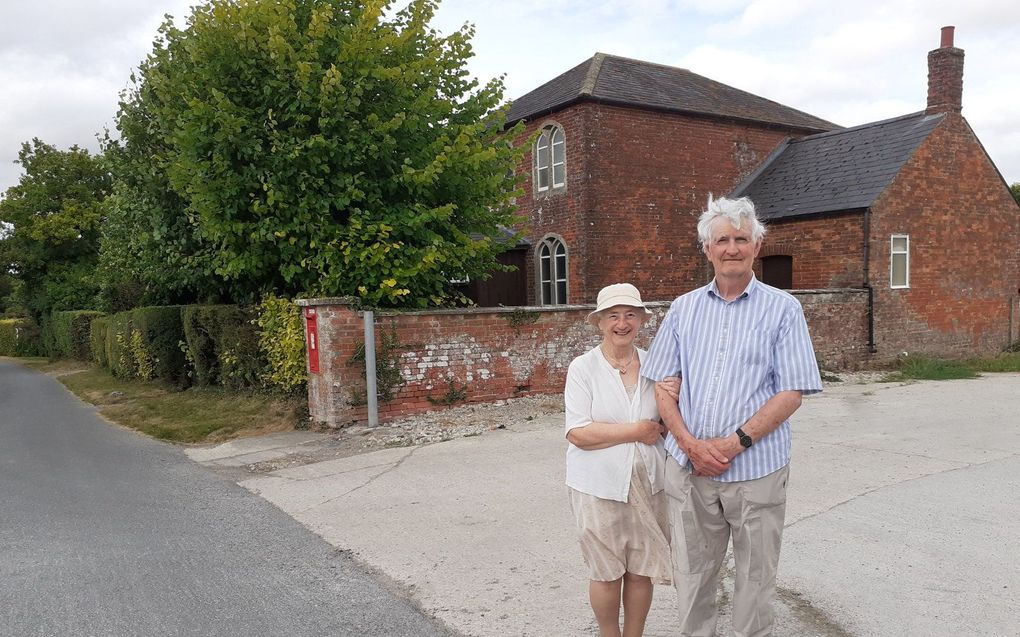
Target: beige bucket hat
{"type": "Point", "coordinates": [617, 294]}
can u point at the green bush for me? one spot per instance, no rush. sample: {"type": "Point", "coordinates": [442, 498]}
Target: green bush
{"type": "Point", "coordinates": [223, 344]}
{"type": "Point", "coordinates": [9, 336]}
{"type": "Point", "coordinates": [20, 337]}
{"type": "Point", "coordinates": [118, 345]}
{"type": "Point", "coordinates": [67, 334]}
{"type": "Point", "coordinates": [97, 340]}
{"type": "Point", "coordinates": [142, 343]}
{"type": "Point", "coordinates": [282, 341]}
{"type": "Point", "coordinates": [156, 336]}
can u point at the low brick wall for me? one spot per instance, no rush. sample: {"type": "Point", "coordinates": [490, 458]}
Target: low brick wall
{"type": "Point", "coordinates": [838, 322]}
{"type": "Point", "coordinates": [444, 357]}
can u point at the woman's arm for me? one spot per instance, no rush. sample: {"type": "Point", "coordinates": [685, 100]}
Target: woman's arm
{"type": "Point", "coordinates": [600, 435]}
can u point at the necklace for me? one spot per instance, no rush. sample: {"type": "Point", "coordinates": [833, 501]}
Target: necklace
{"type": "Point", "coordinates": [620, 365]}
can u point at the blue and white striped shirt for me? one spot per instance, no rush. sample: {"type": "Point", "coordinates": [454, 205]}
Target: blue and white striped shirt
{"type": "Point", "coordinates": [733, 356]}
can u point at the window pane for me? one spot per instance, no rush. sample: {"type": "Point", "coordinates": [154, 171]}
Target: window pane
{"type": "Point", "coordinates": [899, 270]}
{"type": "Point", "coordinates": [542, 161]}
{"type": "Point", "coordinates": [546, 270]}
{"type": "Point", "coordinates": [547, 294]}
{"type": "Point", "coordinates": [559, 168]}
{"type": "Point", "coordinates": [561, 293]}
{"type": "Point", "coordinates": [559, 175]}
{"type": "Point", "coordinates": [899, 244]}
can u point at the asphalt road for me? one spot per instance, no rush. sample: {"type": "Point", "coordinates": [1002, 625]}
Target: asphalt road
{"type": "Point", "coordinates": [106, 532]}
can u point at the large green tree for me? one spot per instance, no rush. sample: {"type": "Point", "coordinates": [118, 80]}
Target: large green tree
{"type": "Point", "coordinates": [311, 146]}
{"type": "Point", "coordinates": [1015, 189]}
{"type": "Point", "coordinates": [51, 221]}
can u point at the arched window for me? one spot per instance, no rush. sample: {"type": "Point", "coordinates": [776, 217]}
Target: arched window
{"type": "Point", "coordinates": [550, 159]}
{"type": "Point", "coordinates": [552, 271]}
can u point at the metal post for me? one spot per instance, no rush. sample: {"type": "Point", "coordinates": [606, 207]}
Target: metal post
{"type": "Point", "coordinates": [1012, 305]}
{"type": "Point", "coordinates": [370, 388]}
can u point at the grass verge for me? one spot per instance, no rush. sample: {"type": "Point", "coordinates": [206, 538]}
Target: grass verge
{"type": "Point", "coordinates": [1009, 362]}
{"type": "Point", "coordinates": [195, 415]}
{"type": "Point", "coordinates": [920, 368]}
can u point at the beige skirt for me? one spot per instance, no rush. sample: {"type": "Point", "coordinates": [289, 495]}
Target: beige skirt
{"type": "Point", "coordinates": [618, 537]}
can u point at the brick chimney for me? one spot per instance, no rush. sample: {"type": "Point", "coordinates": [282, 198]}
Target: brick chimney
{"type": "Point", "coordinates": [945, 76]}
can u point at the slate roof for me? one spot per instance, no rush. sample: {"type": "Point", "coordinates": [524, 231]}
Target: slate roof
{"type": "Point", "coordinates": [622, 81]}
{"type": "Point", "coordinates": [840, 170]}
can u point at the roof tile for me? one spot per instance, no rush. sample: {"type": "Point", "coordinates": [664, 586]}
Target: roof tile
{"type": "Point", "coordinates": [838, 170]}
{"type": "Point", "coordinates": [617, 80]}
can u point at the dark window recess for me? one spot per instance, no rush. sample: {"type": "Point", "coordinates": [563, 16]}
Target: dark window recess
{"type": "Point", "coordinates": [502, 288]}
{"type": "Point", "coordinates": [777, 271]}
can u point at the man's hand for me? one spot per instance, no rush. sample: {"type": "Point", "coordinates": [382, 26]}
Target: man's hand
{"type": "Point", "coordinates": [706, 458]}
{"type": "Point", "coordinates": [728, 448]}
{"type": "Point", "coordinates": [649, 431]}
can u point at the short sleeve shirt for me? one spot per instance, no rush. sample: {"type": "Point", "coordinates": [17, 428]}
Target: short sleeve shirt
{"type": "Point", "coordinates": [732, 357]}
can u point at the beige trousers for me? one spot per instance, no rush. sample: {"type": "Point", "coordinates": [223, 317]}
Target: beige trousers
{"type": "Point", "coordinates": [703, 515]}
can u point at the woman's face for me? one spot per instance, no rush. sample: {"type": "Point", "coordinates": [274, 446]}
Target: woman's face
{"type": "Point", "coordinates": [620, 324]}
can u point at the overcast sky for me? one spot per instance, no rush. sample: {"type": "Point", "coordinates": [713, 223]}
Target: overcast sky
{"type": "Point", "coordinates": [63, 62]}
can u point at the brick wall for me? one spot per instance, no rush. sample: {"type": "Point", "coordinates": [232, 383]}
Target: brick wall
{"type": "Point", "coordinates": [838, 322]}
{"type": "Point", "coordinates": [489, 354]}
{"type": "Point", "coordinates": [561, 212]}
{"type": "Point", "coordinates": [964, 229]}
{"type": "Point", "coordinates": [636, 182]}
{"type": "Point", "coordinates": [827, 251]}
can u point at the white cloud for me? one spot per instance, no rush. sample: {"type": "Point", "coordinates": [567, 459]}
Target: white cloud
{"type": "Point", "coordinates": [63, 62]}
{"type": "Point", "coordinates": [763, 14]}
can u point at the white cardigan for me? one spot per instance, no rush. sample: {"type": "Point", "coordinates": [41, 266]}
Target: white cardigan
{"type": "Point", "coordinates": [595, 393]}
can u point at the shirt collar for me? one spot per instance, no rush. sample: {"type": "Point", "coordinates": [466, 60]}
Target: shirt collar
{"type": "Point", "coordinates": [713, 289]}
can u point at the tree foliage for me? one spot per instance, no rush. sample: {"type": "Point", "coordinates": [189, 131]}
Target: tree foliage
{"type": "Point", "coordinates": [310, 146]}
{"type": "Point", "coordinates": [1015, 189]}
{"type": "Point", "coordinates": [52, 219]}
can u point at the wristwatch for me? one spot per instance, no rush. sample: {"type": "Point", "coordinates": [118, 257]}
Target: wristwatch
{"type": "Point", "coordinates": [745, 440]}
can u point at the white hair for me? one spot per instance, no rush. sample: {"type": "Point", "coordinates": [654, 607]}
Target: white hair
{"type": "Point", "coordinates": [736, 211]}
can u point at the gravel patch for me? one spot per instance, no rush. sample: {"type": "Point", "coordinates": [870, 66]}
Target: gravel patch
{"type": "Point", "coordinates": [515, 414]}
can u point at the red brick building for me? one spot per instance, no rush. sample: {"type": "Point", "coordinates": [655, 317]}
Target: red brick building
{"type": "Point", "coordinates": [911, 209]}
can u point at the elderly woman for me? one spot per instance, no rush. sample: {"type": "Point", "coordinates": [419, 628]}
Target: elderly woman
{"type": "Point", "coordinates": [615, 464]}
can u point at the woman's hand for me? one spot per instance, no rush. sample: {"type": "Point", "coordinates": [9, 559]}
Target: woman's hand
{"type": "Point", "coordinates": [670, 385]}
{"type": "Point", "coordinates": [649, 431]}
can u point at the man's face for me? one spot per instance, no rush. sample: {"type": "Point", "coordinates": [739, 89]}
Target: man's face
{"type": "Point", "coordinates": [731, 250]}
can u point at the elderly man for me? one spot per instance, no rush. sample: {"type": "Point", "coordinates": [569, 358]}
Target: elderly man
{"type": "Point", "coordinates": [743, 352]}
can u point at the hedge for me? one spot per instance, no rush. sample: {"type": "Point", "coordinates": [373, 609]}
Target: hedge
{"type": "Point", "coordinates": [20, 337]}
{"type": "Point", "coordinates": [161, 334]}
{"type": "Point", "coordinates": [223, 344]}
{"type": "Point", "coordinates": [97, 339]}
{"type": "Point", "coordinates": [119, 358]}
{"type": "Point", "coordinates": [227, 345]}
{"type": "Point", "coordinates": [68, 334]}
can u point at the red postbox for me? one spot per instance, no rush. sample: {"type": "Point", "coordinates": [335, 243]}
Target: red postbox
{"type": "Point", "coordinates": [312, 340]}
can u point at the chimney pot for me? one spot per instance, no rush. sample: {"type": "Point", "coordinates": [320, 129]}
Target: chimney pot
{"type": "Point", "coordinates": [947, 37]}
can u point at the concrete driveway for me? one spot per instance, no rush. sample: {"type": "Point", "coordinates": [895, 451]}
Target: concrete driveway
{"type": "Point", "coordinates": [902, 518]}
